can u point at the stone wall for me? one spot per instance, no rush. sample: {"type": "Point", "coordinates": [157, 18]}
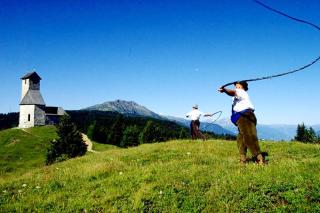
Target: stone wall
{"type": "Point", "coordinates": [39, 116]}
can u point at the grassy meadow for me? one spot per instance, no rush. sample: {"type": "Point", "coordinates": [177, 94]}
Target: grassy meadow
{"type": "Point", "coordinates": [22, 151]}
{"type": "Point", "coordinates": [175, 176]}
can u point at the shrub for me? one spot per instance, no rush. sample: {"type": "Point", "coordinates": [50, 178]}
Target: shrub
{"type": "Point", "coordinates": [68, 145]}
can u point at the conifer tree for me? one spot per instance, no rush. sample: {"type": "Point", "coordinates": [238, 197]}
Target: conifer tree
{"type": "Point", "coordinates": [130, 136]}
{"type": "Point", "coordinates": [183, 134]}
{"type": "Point", "coordinates": [151, 133]}
{"type": "Point", "coordinates": [91, 130]}
{"type": "Point", "coordinates": [301, 131]}
{"type": "Point", "coordinates": [116, 131]}
{"type": "Point", "coordinates": [68, 145]}
{"type": "Point", "coordinates": [306, 135]}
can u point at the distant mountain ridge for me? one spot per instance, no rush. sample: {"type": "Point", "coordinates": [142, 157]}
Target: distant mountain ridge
{"type": "Point", "coordinates": [204, 126]}
{"type": "Point", "coordinates": [124, 107]}
{"type": "Point", "coordinates": [131, 108]}
{"type": "Point", "coordinates": [275, 132]}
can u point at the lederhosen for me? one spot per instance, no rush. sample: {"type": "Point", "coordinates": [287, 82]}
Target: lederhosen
{"type": "Point", "coordinates": [195, 130]}
{"type": "Point", "coordinates": [246, 122]}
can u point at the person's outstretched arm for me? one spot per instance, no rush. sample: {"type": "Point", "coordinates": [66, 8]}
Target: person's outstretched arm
{"type": "Point", "coordinates": [229, 92]}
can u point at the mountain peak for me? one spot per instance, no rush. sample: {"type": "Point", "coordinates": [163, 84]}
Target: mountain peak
{"type": "Point", "coordinates": [124, 107]}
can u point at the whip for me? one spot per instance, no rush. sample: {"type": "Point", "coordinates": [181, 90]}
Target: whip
{"type": "Point", "coordinates": [288, 72]}
{"type": "Point", "coordinates": [209, 121]}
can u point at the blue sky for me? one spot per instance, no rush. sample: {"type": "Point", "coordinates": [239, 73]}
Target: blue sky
{"type": "Point", "coordinates": [165, 55]}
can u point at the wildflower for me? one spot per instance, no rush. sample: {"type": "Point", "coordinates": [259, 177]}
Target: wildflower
{"type": "Point", "coordinates": [38, 187]}
{"type": "Point", "coordinates": [160, 192]}
{"type": "Point", "coordinates": [24, 185]}
{"type": "Point", "coordinates": [120, 173]}
{"type": "Point", "coordinates": [188, 153]}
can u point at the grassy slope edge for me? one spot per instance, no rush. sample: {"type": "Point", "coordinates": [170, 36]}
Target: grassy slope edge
{"type": "Point", "coordinates": [177, 176]}
{"type": "Point", "coordinates": [22, 150]}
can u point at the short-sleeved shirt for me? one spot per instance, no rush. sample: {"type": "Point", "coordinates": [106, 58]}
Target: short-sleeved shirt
{"type": "Point", "coordinates": [241, 101]}
{"type": "Point", "coordinates": [194, 114]}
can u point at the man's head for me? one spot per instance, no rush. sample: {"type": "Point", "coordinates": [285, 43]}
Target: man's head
{"type": "Point", "coordinates": [195, 106]}
{"type": "Point", "coordinates": [241, 85]}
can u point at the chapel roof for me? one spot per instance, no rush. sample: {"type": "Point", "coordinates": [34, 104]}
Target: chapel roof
{"type": "Point", "coordinates": [32, 75]}
{"type": "Point", "coordinates": [33, 97]}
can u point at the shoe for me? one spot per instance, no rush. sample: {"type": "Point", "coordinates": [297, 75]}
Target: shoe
{"type": "Point", "coordinates": [243, 159]}
{"type": "Point", "coordinates": [260, 160]}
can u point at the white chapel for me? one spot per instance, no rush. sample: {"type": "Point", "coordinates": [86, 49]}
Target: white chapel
{"type": "Point", "coordinates": [33, 110]}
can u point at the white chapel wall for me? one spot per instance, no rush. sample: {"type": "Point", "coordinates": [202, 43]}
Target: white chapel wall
{"type": "Point", "coordinates": [26, 112]}
{"type": "Point", "coordinates": [25, 87]}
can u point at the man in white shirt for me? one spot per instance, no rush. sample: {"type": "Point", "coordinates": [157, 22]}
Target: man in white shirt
{"type": "Point", "coordinates": [195, 115]}
{"type": "Point", "coordinates": [243, 116]}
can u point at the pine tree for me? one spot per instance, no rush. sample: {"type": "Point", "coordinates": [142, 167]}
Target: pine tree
{"type": "Point", "coordinates": [68, 145]}
{"type": "Point", "coordinates": [311, 136]}
{"type": "Point", "coordinates": [116, 131]}
{"type": "Point", "coordinates": [91, 130]}
{"type": "Point", "coordinates": [306, 135]}
{"type": "Point", "coordinates": [183, 134]}
{"type": "Point", "coordinates": [301, 131]}
{"type": "Point", "coordinates": [130, 136]}
{"type": "Point", "coordinates": [151, 133]}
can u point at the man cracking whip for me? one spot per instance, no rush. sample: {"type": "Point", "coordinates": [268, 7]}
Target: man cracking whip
{"type": "Point", "coordinates": [244, 118]}
{"type": "Point", "coordinates": [195, 115]}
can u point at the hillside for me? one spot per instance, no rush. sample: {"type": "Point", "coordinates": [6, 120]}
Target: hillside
{"type": "Point", "coordinates": [23, 150]}
{"type": "Point", "coordinates": [177, 176]}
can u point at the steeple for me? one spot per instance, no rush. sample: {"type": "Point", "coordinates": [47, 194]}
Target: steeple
{"type": "Point", "coordinates": [32, 105]}
{"type": "Point", "coordinates": [30, 81]}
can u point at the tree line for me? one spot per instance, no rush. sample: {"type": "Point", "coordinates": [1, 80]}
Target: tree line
{"type": "Point", "coordinates": [124, 131]}
{"type": "Point", "coordinates": [9, 120]}
{"type": "Point", "coordinates": [306, 135]}
{"type": "Point", "coordinates": [115, 128]}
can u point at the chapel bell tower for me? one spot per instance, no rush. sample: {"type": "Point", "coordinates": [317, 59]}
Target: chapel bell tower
{"type": "Point", "coordinates": [32, 105]}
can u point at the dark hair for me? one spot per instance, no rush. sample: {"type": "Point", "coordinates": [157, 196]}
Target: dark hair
{"type": "Point", "coordinates": [244, 84]}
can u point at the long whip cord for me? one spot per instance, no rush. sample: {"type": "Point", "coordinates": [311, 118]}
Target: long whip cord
{"type": "Point", "coordinates": [289, 72]}
{"type": "Point", "coordinates": [207, 123]}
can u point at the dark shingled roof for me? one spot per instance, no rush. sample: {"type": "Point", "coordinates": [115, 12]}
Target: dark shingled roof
{"type": "Point", "coordinates": [33, 97]}
{"type": "Point", "coordinates": [31, 75]}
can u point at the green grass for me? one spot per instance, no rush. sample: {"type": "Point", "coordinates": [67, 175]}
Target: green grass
{"type": "Point", "coordinates": [23, 150]}
{"type": "Point", "coordinates": [102, 147]}
{"type": "Point", "coordinates": [177, 176]}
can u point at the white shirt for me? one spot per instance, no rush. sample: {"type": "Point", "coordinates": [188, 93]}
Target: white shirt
{"type": "Point", "coordinates": [241, 101]}
{"type": "Point", "coordinates": [194, 114]}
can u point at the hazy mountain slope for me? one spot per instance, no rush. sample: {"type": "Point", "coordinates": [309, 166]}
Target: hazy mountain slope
{"type": "Point", "coordinates": [210, 127]}
{"type": "Point", "coordinates": [266, 132]}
